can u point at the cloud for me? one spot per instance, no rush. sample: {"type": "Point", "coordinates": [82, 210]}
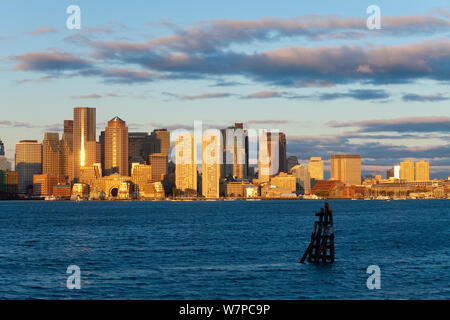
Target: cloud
{"type": "Point", "coordinates": [207, 49]}
{"type": "Point", "coordinates": [96, 96]}
{"type": "Point", "coordinates": [267, 122]}
{"type": "Point", "coordinates": [40, 79]}
{"type": "Point", "coordinates": [212, 35]}
{"type": "Point", "coordinates": [294, 65]}
{"type": "Point", "coordinates": [19, 124]}
{"type": "Point", "coordinates": [43, 30]}
{"type": "Point", "coordinates": [208, 96]}
{"type": "Point", "coordinates": [263, 95]}
{"type": "Point", "coordinates": [412, 124]}
{"type": "Point", "coordinates": [424, 98]}
{"type": "Point", "coordinates": [121, 75]}
{"type": "Point", "coordinates": [49, 61]}
{"type": "Point", "coordinates": [359, 94]}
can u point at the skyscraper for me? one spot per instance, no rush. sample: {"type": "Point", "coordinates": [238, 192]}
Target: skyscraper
{"type": "Point", "coordinates": [234, 152]}
{"type": "Point", "coordinates": [67, 150]}
{"type": "Point", "coordinates": [407, 170]}
{"type": "Point", "coordinates": [315, 168]}
{"type": "Point", "coordinates": [423, 171]}
{"type": "Point", "coordinates": [211, 164]}
{"type": "Point", "coordinates": [346, 168]}
{"type": "Point", "coordinates": [185, 162]}
{"type": "Point", "coordinates": [116, 147]}
{"type": "Point", "coordinates": [28, 163]}
{"type": "Point", "coordinates": [292, 161]}
{"type": "Point", "coordinates": [52, 157]}
{"type": "Point", "coordinates": [84, 127]}
{"type": "Point", "coordinates": [164, 140]}
{"type": "Point", "coordinates": [93, 153]}
{"type": "Point", "coordinates": [159, 162]}
{"type": "Point", "coordinates": [272, 155]}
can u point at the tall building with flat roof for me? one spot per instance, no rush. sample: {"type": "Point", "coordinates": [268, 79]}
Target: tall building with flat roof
{"type": "Point", "coordinates": [67, 150]}
{"type": "Point", "coordinates": [163, 136]}
{"type": "Point", "coordinates": [315, 168]}
{"type": "Point", "coordinates": [346, 168]}
{"type": "Point", "coordinates": [407, 170]}
{"type": "Point", "coordinates": [423, 171]}
{"type": "Point", "coordinates": [84, 127]}
{"type": "Point", "coordinates": [234, 152]}
{"type": "Point", "coordinates": [211, 164]}
{"type": "Point", "coordinates": [159, 162]}
{"type": "Point", "coordinates": [52, 156]}
{"type": "Point", "coordinates": [185, 162]}
{"type": "Point", "coordinates": [272, 155]}
{"type": "Point", "coordinates": [28, 163]}
{"type": "Point", "coordinates": [116, 147]}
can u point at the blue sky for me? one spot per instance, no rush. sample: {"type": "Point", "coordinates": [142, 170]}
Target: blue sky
{"type": "Point", "coordinates": [311, 69]}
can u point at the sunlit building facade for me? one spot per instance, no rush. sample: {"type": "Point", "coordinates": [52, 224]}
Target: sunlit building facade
{"type": "Point", "coordinates": [315, 168]}
{"type": "Point", "coordinates": [28, 163]}
{"type": "Point", "coordinates": [423, 171]}
{"type": "Point", "coordinates": [116, 147]}
{"type": "Point", "coordinates": [211, 164]}
{"type": "Point", "coordinates": [185, 162]}
{"type": "Point", "coordinates": [84, 128]}
{"type": "Point", "coordinates": [346, 168]}
{"type": "Point", "coordinates": [407, 170]}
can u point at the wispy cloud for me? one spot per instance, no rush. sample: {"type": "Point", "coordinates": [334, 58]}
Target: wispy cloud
{"type": "Point", "coordinates": [43, 30]}
{"type": "Point", "coordinates": [96, 96]}
{"type": "Point", "coordinates": [412, 124]}
{"type": "Point", "coordinates": [424, 97]}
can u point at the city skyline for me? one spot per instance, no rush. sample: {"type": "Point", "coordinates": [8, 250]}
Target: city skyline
{"type": "Point", "coordinates": [312, 70]}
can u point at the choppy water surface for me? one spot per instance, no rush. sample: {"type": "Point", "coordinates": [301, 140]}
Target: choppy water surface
{"type": "Point", "coordinates": [222, 250]}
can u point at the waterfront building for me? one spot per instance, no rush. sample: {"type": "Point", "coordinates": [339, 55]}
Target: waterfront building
{"type": "Point", "coordinates": [280, 186]}
{"type": "Point", "coordinates": [186, 163]}
{"type": "Point", "coordinates": [43, 184]}
{"type": "Point", "coordinates": [407, 170]}
{"type": "Point", "coordinates": [211, 164]}
{"type": "Point", "coordinates": [154, 190]}
{"type": "Point", "coordinates": [84, 128]}
{"type": "Point", "coordinates": [315, 168]}
{"type": "Point", "coordinates": [141, 174]}
{"type": "Point", "coordinates": [62, 191]}
{"type": "Point", "coordinates": [346, 168]}
{"type": "Point", "coordinates": [159, 163]}
{"type": "Point", "coordinates": [52, 155]}
{"type": "Point", "coordinates": [236, 188]}
{"type": "Point", "coordinates": [422, 171]}
{"type": "Point", "coordinates": [303, 178]}
{"type": "Point", "coordinates": [116, 147]}
{"type": "Point", "coordinates": [28, 163]}
{"type": "Point", "coordinates": [9, 182]}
